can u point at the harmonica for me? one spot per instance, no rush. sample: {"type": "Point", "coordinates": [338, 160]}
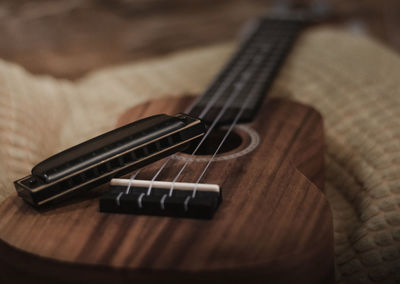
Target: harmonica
{"type": "Point", "coordinates": [109, 155]}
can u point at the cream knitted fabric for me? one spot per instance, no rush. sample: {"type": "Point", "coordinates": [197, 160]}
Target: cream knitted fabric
{"type": "Point", "coordinates": [353, 81]}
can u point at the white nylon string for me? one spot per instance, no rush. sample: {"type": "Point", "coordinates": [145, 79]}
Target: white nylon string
{"type": "Point", "coordinates": [237, 90]}
{"type": "Point", "coordinates": [236, 119]}
{"type": "Point", "coordinates": [218, 94]}
{"type": "Point", "coordinates": [156, 175]}
{"type": "Point", "coordinates": [131, 179]}
{"type": "Point", "coordinates": [226, 84]}
{"type": "Point", "coordinates": [226, 66]}
{"type": "Point", "coordinates": [238, 87]}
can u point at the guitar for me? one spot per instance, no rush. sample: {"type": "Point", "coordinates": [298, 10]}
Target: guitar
{"type": "Point", "coordinates": [266, 156]}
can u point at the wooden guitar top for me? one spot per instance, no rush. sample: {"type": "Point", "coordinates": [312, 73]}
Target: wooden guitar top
{"type": "Point", "coordinates": [274, 222]}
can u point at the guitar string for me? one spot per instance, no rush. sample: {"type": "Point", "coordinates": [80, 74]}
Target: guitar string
{"type": "Point", "coordinates": [267, 45]}
{"type": "Point", "coordinates": [190, 159]}
{"type": "Point", "coordinates": [238, 87]}
{"type": "Point", "coordinates": [239, 68]}
{"type": "Point", "coordinates": [208, 106]}
{"type": "Point", "coordinates": [248, 40]}
{"type": "Point", "coordinates": [227, 104]}
{"type": "Point", "coordinates": [118, 198]}
{"type": "Point", "coordinates": [237, 90]}
{"type": "Point", "coordinates": [236, 119]}
{"type": "Point", "coordinates": [276, 51]}
{"type": "Point", "coordinates": [131, 179]}
{"type": "Point", "coordinates": [224, 86]}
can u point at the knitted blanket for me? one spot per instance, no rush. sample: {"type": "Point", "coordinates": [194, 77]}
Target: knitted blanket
{"type": "Point", "coordinates": [352, 80]}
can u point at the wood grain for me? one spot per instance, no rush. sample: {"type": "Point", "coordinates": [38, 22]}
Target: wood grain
{"type": "Point", "coordinates": [274, 222]}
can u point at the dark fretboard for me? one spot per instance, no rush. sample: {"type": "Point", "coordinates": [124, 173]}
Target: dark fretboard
{"type": "Point", "coordinates": [250, 72]}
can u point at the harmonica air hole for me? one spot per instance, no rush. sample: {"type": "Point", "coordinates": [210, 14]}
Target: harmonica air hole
{"type": "Point", "coordinates": [139, 153]}
{"type": "Point", "coordinates": [76, 180]}
{"type": "Point", "coordinates": [170, 141]}
{"type": "Point", "coordinates": [121, 161]}
{"type": "Point", "coordinates": [176, 138]}
{"type": "Point", "coordinates": [90, 174]}
{"type": "Point", "coordinates": [69, 183]}
{"type": "Point", "coordinates": [102, 169]}
{"type": "Point", "coordinates": [157, 145]}
{"type": "Point", "coordinates": [109, 167]}
{"type": "Point", "coordinates": [133, 155]}
{"type": "Point", "coordinates": [164, 143]}
{"type": "Point", "coordinates": [151, 148]}
{"type": "Point", "coordinates": [64, 184]}
{"type": "Point", "coordinates": [127, 158]}
{"type": "Point", "coordinates": [83, 177]}
{"type": "Point", "coordinates": [55, 188]}
{"type": "Point", "coordinates": [114, 164]}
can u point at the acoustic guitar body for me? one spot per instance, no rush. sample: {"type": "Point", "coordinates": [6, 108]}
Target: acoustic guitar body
{"type": "Point", "coordinates": [274, 224]}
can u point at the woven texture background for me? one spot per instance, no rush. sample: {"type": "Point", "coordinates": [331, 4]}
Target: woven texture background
{"type": "Point", "coordinates": [353, 81]}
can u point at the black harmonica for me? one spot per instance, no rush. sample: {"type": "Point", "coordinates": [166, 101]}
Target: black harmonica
{"type": "Point", "coordinates": [109, 155]}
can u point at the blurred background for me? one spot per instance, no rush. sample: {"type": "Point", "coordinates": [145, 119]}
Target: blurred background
{"type": "Point", "coordinates": [68, 38]}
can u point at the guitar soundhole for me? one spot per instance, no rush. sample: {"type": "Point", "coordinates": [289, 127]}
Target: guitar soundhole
{"type": "Point", "coordinates": [210, 145]}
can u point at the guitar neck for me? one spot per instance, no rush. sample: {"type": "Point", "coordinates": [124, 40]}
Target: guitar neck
{"type": "Point", "coordinates": [250, 72]}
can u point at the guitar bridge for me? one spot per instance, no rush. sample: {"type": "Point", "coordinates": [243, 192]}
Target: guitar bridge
{"type": "Point", "coordinates": [112, 154]}
{"type": "Point", "coordinates": [175, 199]}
